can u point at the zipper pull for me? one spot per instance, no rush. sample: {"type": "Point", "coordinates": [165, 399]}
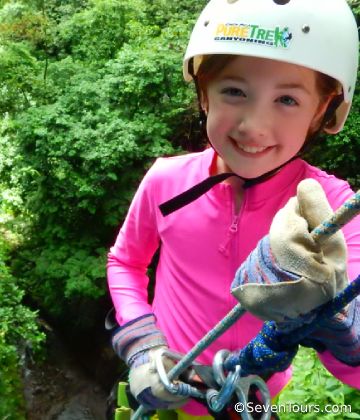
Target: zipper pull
{"type": "Point", "coordinates": [234, 225]}
{"type": "Point", "coordinates": [224, 248]}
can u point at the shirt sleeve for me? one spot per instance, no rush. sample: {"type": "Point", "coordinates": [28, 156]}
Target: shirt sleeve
{"type": "Point", "coordinates": [131, 255]}
{"type": "Point", "coordinates": [347, 374]}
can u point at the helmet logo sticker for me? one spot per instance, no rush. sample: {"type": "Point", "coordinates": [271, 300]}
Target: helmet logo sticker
{"type": "Point", "coordinates": [241, 32]}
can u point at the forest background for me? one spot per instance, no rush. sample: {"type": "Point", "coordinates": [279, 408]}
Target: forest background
{"type": "Point", "coordinates": [91, 92]}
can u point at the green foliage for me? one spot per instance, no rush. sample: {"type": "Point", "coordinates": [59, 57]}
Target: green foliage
{"type": "Point", "coordinates": [19, 78]}
{"type": "Point", "coordinates": [83, 35]}
{"type": "Point", "coordinates": [104, 97]}
{"type": "Point", "coordinates": [18, 330]}
{"type": "Point", "coordinates": [312, 385]}
{"type": "Point", "coordinates": [355, 6]}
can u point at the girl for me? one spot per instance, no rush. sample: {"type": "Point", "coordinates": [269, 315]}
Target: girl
{"type": "Point", "coordinates": [271, 75]}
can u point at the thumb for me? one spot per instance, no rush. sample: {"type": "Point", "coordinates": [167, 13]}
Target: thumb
{"type": "Point", "coordinates": [313, 204]}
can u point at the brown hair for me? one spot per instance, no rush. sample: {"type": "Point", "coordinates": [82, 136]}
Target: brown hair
{"type": "Point", "coordinates": [327, 86]}
{"type": "Point", "coordinates": [210, 67]}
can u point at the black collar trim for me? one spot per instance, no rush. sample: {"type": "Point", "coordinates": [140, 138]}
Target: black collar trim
{"type": "Point", "coordinates": [193, 193]}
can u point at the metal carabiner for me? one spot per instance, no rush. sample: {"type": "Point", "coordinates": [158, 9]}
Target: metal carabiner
{"type": "Point", "coordinates": [218, 399]}
{"type": "Point", "coordinates": [242, 386]}
{"type": "Point", "coordinates": [242, 391]}
{"type": "Point", "coordinates": [229, 384]}
{"type": "Point", "coordinates": [178, 388]}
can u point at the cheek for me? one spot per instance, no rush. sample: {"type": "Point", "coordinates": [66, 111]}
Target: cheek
{"type": "Point", "coordinates": [316, 112]}
{"type": "Point", "coordinates": [222, 115]}
{"type": "Point", "coordinates": [299, 125]}
{"type": "Point", "coordinates": [291, 134]}
{"type": "Point", "coordinates": [216, 121]}
{"type": "Point", "coordinates": [212, 128]}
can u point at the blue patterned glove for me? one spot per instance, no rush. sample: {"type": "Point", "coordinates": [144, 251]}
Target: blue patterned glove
{"type": "Point", "coordinates": [138, 343]}
{"type": "Point", "coordinates": [340, 335]}
{"type": "Point", "coordinates": [267, 353]}
{"type": "Point", "coordinates": [336, 327]}
{"type": "Point", "coordinates": [273, 349]}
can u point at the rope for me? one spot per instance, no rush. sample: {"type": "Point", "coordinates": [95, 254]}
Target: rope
{"type": "Point", "coordinates": [343, 215]}
{"type": "Point", "coordinates": [273, 350]}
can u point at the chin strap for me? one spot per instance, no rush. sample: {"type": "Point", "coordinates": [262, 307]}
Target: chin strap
{"type": "Point", "coordinates": [204, 186]}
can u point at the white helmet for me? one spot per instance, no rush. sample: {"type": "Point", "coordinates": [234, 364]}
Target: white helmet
{"type": "Point", "coordinates": [318, 34]}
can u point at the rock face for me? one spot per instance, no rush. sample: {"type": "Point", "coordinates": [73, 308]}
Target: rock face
{"type": "Point", "coordinates": [60, 388]}
{"type": "Point", "coordinates": [53, 393]}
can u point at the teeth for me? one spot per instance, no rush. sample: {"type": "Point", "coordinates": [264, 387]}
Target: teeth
{"type": "Point", "coordinates": [251, 149]}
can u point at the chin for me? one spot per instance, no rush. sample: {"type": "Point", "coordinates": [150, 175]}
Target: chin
{"type": "Point", "coordinates": [251, 174]}
{"type": "Point", "coordinates": [252, 171]}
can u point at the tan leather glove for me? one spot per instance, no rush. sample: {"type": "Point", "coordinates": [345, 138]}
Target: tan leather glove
{"type": "Point", "coordinates": [288, 274]}
{"type": "Point", "coordinates": [138, 342]}
{"type": "Point", "coordinates": [145, 383]}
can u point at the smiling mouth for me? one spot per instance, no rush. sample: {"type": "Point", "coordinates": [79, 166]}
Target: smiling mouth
{"type": "Point", "coordinates": [253, 150]}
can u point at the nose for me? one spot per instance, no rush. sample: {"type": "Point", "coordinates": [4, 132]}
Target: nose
{"type": "Point", "coordinates": [253, 123]}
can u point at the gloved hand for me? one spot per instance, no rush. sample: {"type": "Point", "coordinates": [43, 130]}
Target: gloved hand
{"type": "Point", "coordinates": [265, 354]}
{"type": "Point", "coordinates": [288, 275]}
{"type": "Point", "coordinates": [340, 335]}
{"type": "Point", "coordinates": [138, 343]}
{"type": "Point", "coordinates": [273, 349]}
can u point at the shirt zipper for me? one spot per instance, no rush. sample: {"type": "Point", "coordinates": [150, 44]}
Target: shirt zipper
{"type": "Point", "coordinates": [224, 248]}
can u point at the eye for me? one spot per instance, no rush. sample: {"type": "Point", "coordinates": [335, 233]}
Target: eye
{"type": "Point", "coordinates": [233, 92]}
{"type": "Point", "coordinates": [287, 100]}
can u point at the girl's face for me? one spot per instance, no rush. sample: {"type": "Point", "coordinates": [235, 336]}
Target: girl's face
{"type": "Point", "coordinates": [259, 113]}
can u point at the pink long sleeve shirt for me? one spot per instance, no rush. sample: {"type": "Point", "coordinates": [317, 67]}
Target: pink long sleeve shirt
{"type": "Point", "coordinates": [201, 247]}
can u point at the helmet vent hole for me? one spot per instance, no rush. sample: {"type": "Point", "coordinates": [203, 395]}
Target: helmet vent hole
{"type": "Point", "coordinates": [306, 29]}
{"type": "Point", "coordinates": [281, 2]}
{"type": "Point", "coordinates": [206, 23]}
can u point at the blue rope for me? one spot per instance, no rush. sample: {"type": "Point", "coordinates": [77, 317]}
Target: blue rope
{"type": "Point", "coordinates": [343, 215]}
{"type": "Point", "coordinates": [273, 350]}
